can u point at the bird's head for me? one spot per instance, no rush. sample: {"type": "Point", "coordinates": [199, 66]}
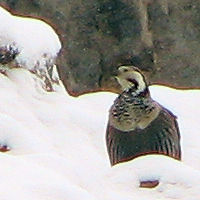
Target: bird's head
{"type": "Point", "coordinates": [130, 77]}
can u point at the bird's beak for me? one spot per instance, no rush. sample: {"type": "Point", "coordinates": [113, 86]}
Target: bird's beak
{"type": "Point", "coordinates": [116, 78]}
{"type": "Point", "coordinates": [115, 73]}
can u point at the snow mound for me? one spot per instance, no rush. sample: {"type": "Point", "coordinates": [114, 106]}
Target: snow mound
{"type": "Point", "coordinates": [35, 40]}
{"type": "Point", "coordinates": [176, 180]}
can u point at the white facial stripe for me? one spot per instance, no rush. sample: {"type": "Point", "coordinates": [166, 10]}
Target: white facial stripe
{"type": "Point", "coordinates": [131, 74]}
{"type": "Point", "coordinates": [124, 83]}
{"type": "Point", "coordinates": [141, 83]}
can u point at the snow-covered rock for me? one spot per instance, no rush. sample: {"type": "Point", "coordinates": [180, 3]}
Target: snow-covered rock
{"type": "Point", "coordinates": [35, 40]}
{"type": "Point", "coordinates": [31, 44]}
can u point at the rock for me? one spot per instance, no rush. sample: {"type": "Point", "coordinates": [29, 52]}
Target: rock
{"type": "Point", "coordinates": [149, 183]}
{"type": "Point", "coordinates": [4, 148]}
{"type": "Point", "coordinates": [159, 37]}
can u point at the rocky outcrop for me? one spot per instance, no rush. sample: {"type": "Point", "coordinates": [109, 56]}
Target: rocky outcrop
{"type": "Point", "coordinates": [162, 38]}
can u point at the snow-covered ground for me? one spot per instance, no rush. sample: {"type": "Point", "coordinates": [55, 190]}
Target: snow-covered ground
{"type": "Point", "coordinates": [57, 146]}
{"type": "Point", "coordinates": [57, 143]}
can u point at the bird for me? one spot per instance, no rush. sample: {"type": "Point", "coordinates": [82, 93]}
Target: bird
{"type": "Point", "coordinates": [137, 124]}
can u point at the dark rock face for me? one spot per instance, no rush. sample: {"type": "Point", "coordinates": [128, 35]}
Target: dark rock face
{"type": "Point", "coordinates": [162, 38]}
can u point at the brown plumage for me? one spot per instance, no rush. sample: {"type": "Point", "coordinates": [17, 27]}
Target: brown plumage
{"type": "Point", "coordinates": [137, 124]}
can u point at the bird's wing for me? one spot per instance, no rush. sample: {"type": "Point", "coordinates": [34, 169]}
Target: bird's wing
{"type": "Point", "coordinates": [113, 145]}
{"type": "Point", "coordinates": [162, 136]}
{"type": "Point", "coordinates": [168, 135]}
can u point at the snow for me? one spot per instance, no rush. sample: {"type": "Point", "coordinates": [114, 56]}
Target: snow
{"type": "Point", "coordinates": [36, 41]}
{"type": "Point", "coordinates": [58, 147]}
{"type": "Point", "coordinates": [57, 142]}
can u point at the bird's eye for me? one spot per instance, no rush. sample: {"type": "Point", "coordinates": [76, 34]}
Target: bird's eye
{"type": "Point", "coordinates": [125, 70]}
